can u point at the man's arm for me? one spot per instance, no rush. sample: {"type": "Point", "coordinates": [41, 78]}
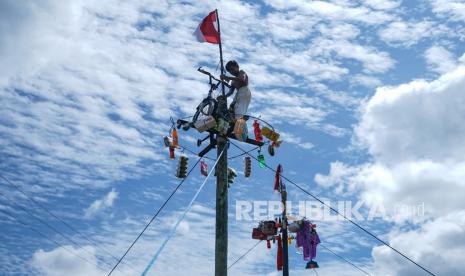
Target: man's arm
{"type": "Point", "coordinates": [241, 78]}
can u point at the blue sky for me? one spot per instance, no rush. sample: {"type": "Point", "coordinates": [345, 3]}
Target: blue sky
{"type": "Point", "coordinates": [367, 95]}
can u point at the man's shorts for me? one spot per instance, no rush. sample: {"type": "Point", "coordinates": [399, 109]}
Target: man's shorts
{"type": "Point", "coordinates": [242, 101]}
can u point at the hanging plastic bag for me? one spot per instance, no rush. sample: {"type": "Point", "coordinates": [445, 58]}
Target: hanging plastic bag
{"type": "Point", "coordinates": [168, 141]}
{"type": "Point", "coordinates": [270, 134]}
{"type": "Point", "coordinates": [240, 129]}
{"type": "Point", "coordinates": [271, 150]}
{"type": "Point", "coordinates": [257, 131]}
{"type": "Point", "coordinates": [174, 135]}
{"type": "Point", "coordinates": [203, 168]}
{"type": "Point", "coordinates": [172, 153]}
{"type": "Point", "coordinates": [231, 176]}
{"type": "Point", "coordinates": [261, 160]}
{"type": "Point", "coordinates": [205, 124]}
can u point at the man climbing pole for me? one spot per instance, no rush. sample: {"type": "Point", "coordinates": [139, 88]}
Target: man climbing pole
{"type": "Point", "coordinates": [240, 82]}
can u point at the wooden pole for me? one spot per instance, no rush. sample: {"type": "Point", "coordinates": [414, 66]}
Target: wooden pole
{"type": "Point", "coordinates": [284, 232]}
{"type": "Point", "coordinates": [221, 229]}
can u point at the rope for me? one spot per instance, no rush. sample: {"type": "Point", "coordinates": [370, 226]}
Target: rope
{"type": "Point", "coordinates": [259, 119]}
{"type": "Point", "coordinates": [342, 215]}
{"type": "Point", "coordinates": [331, 251]}
{"type": "Point", "coordinates": [231, 157]}
{"type": "Point", "coordinates": [154, 216]}
{"type": "Point", "coordinates": [17, 187]}
{"type": "Point", "coordinates": [46, 237]}
{"type": "Point", "coordinates": [48, 225]}
{"type": "Point", "coordinates": [173, 231]}
{"type": "Point", "coordinates": [183, 148]}
{"type": "Point", "coordinates": [344, 259]}
{"type": "Point", "coordinates": [245, 254]}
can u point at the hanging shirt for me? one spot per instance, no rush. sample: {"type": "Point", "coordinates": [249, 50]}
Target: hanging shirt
{"type": "Point", "coordinates": [314, 241]}
{"type": "Point", "coordinates": [308, 239]}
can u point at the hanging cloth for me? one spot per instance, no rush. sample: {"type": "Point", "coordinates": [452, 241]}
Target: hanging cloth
{"type": "Point", "coordinates": [277, 178]}
{"type": "Point", "coordinates": [308, 239]}
{"type": "Point", "coordinates": [314, 241]}
{"type": "Point", "coordinates": [279, 256]}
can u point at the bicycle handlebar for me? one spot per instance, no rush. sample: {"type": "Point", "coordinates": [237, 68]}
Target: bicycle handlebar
{"type": "Point", "coordinates": [213, 77]}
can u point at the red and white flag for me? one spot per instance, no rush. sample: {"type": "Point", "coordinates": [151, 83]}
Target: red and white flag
{"type": "Point", "coordinates": [207, 31]}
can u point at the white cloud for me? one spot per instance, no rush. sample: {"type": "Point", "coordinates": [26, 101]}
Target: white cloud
{"type": "Point", "coordinates": [101, 204]}
{"type": "Point", "coordinates": [339, 39]}
{"type": "Point", "coordinates": [295, 140]}
{"type": "Point", "coordinates": [450, 9]}
{"type": "Point", "coordinates": [339, 177]}
{"type": "Point", "coordinates": [409, 191]}
{"type": "Point", "coordinates": [418, 120]}
{"type": "Point", "coordinates": [402, 33]}
{"type": "Point", "coordinates": [339, 31]}
{"type": "Point", "coordinates": [383, 4]}
{"type": "Point", "coordinates": [284, 108]}
{"type": "Point", "coordinates": [342, 11]}
{"type": "Point", "coordinates": [462, 59]}
{"type": "Point", "coordinates": [292, 25]}
{"type": "Point", "coordinates": [89, 111]}
{"type": "Point", "coordinates": [90, 84]}
{"type": "Point", "coordinates": [60, 95]}
{"type": "Point", "coordinates": [64, 261]}
{"type": "Point", "coordinates": [440, 60]}
{"type": "Point", "coordinates": [42, 46]}
{"type": "Point", "coordinates": [364, 80]}
{"type": "Point", "coordinates": [415, 137]}
{"type": "Point", "coordinates": [437, 245]}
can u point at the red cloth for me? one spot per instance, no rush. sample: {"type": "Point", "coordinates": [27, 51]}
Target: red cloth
{"type": "Point", "coordinates": [207, 31]}
{"type": "Point", "coordinates": [279, 256]}
{"type": "Point", "coordinates": [277, 179]}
